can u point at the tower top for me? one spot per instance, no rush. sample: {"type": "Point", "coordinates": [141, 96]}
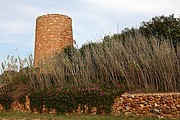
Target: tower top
{"type": "Point", "coordinates": [53, 15]}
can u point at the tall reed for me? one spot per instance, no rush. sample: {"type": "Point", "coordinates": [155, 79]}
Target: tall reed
{"type": "Point", "coordinates": [136, 64]}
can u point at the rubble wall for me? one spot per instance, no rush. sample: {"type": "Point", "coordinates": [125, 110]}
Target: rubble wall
{"type": "Point", "coordinates": [160, 105]}
{"type": "Point", "coordinates": [164, 105]}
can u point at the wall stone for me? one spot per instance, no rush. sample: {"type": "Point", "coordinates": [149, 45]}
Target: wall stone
{"type": "Point", "coordinates": [53, 33]}
{"type": "Point", "coordinates": [164, 105]}
{"type": "Point", "coordinates": [159, 105]}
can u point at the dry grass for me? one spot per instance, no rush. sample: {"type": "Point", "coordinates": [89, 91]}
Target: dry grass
{"type": "Point", "coordinates": [136, 64]}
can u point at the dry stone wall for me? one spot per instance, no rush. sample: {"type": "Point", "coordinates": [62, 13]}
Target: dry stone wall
{"type": "Point", "coordinates": [159, 105]}
{"type": "Point", "coordinates": [156, 105]}
{"type": "Point", "coordinates": [53, 33]}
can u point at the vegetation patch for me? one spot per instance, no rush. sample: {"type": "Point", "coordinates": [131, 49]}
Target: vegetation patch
{"type": "Point", "coordinates": [31, 116]}
{"type": "Point", "coordinates": [67, 100]}
{"type": "Point", "coordinates": [96, 73]}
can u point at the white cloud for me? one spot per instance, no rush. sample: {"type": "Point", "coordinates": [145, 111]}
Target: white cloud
{"type": "Point", "coordinates": [141, 6]}
{"type": "Point", "coordinates": [15, 27]}
{"type": "Point", "coordinates": [92, 19]}
{"type": "Point", "coordinates": [16, 40]}
{"type": "Point", "coordinates": [102, 16]}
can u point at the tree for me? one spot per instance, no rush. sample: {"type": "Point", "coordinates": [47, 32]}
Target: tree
{"type": "Point", "coordinates": [163, 26]}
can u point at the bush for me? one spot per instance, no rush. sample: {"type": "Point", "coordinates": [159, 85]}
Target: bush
{"type": "Point", "coordinates": [67, 99]}
{"type": "Point", "coordinates": [5, 101]}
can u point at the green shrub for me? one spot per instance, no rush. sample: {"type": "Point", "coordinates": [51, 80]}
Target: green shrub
{"type": "Point", "coordinates": [67, 99]}
{"type": "Point", "coordinates": [36, 101]}
{"type": "Point", "coordinates": [5, 101]}
{"type": "Point", "coordinates": [22, 100]}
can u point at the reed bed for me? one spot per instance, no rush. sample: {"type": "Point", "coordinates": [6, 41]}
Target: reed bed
{"type": "Point", "coordinates": [134, 64]}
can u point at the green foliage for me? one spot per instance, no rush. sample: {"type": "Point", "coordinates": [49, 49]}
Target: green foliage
{"type": "Point", "coordinates": [5, 101]}
{"type": "Point", "coordinates": [167, 26]}
{"type": "Point", "coordinates": [36, 101]}
{"type": "Point", "coordinates": [22, 99]}
{"type": "Point", "coordinates": [163, 26]}
{"type": "Point", "coordinates": [129, 61]}
{"type": "Point", "coordinates": [67, 99]}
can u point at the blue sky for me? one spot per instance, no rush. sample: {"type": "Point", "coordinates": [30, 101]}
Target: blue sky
{"type": "Point", "coordinates": [92, 19]}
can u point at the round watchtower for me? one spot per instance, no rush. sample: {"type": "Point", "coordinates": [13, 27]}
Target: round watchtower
{"type": "Point", "coordinates": [53, 33]}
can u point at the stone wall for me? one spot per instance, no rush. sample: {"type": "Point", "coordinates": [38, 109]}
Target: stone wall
{"type": "Point", "coordinates": [159, 105]}
{"type": "Point", "coordinates": [53, 33]}
{"type": "Point", "coordinates": [156, 105]}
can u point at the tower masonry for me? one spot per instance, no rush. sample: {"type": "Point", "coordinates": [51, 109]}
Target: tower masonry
{"type": "Point", "coordinates": [53, 33]}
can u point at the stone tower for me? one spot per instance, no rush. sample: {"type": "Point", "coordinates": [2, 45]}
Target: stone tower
{"type": "Point", "coordinates": [53, 33]}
